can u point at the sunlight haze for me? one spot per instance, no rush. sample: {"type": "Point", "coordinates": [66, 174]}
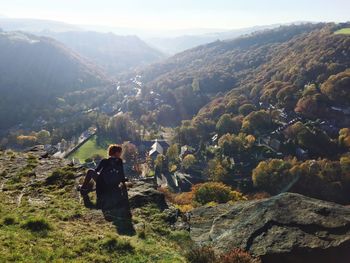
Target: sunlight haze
{"type": "Point", "coordinates": [180, 14]}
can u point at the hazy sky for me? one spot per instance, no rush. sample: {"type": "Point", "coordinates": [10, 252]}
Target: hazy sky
{"type": "Point", "coordinates": [178, 14]}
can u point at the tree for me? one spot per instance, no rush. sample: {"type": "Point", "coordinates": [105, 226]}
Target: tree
{"type": "Point", "coordinates": [173, 153]}
{"type": "Point", "coordinates": [272, 176]}
{"type": "Point", "coordinates": [187, 134]}
{"type": "Point", "coordinates": [160, 164]}
{"type": "Point", "coordinates": [337, 87]}
{"type": "Point", "coordinates": [323, 179]}
{"type": "Point", "coordinates": [231, 144]}
{"type": "Point", "coordinates": [195, 85]}
{"type": "Point", "coordinates": [166, 115]}
{"type": "Point", "coordinates": [121, 129]}
{"type": "Point", "coordinates": [257, 122]}
{"type": "Point", "coordinates": [227, 125]}
{"type": "Point", "coordinates": [245, 109]}
{"type": "Point", "coordinates": [344, 137]}
{"type": "Point", "coordinates": [130, 153]}
{"type": "Point", "coordinates": [43, 137]}
{"type": "Point", "coordinates": [189, 161]}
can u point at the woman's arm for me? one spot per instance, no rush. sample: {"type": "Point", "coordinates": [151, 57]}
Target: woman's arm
{"type": "Point", "coordinates": [100, 166]}
{"type": "Point", "coordinates": [122, 174]}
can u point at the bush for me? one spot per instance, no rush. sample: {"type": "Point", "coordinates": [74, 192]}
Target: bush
{"type": "Point", "coordinates": [215, 192]}
{"type": "Point", "coordinates": [206, 254]}
{"type": "Point", "coordinates": [237, 256]}
{"type": "Point", "coordinates": [201, 255]}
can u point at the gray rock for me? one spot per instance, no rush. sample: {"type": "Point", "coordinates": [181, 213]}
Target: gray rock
{"type": "Point", "coordinates": [142, 193]}
{"type": "Point", "coordinates": [288, 228]}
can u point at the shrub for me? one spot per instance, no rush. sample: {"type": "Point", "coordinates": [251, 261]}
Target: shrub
{"type": "Point", "coordinates": [206, 254]}
{"type": "Point", "coordinates": [237, 256]}
{"type": "Point", "coordinates": [203, 254]}
{"type": "Point", "coordinates": [215, 192]}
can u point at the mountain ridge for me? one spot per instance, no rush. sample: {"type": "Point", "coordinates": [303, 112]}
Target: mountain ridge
{"type": "Point", "coordinates": [38, 69]}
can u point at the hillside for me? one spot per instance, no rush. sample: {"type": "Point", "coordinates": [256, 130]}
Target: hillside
{"type": "Point", "coordinates": [294, 55]}
{"type": "Point", "coordinates": [111, 52]}
{"type": "Point", "coordinates": [43, 218]}
{"type": "Point", "coordinates": [34, 25]}
{"type": "Point", "coordinates": [34, 71]}
{"type": "Point", "coordinates": [173, 45]}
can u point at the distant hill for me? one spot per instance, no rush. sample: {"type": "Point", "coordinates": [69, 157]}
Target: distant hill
{"type": "Point", "coordinates": [111, 52]}
{"type": "Point", "coordinates": [34, 25]}
{"type": "Point", "coordinates": [249, 69]}
{"type": "Point", "coordinates": [34, 70]}
{"type": "Point", "coordinates": [173, 45]}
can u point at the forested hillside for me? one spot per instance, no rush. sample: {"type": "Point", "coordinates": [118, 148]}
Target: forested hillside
{"type": "Point", "coordinates": [173, 45]}
{"type": "Point", "coordinates": [259, 107]}
{"type": "Point", "coordinates": [256, 66]}
{"type": "Point", "coordinates": [34, 71]}
{"type": "Point", "coordinates": [111, 52]}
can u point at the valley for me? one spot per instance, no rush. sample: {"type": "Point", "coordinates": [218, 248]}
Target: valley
{"type": "Point", "coordinates": [234, 149]}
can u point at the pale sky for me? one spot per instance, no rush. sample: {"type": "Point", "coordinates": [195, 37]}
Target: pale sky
{"type": "Point", "coordinates": [178, 14]}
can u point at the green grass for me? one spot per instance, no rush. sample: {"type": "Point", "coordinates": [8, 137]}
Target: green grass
{"type": "Point", "coordinates": [62, 229]}
{"type": "Point", "coordinates": [90, 148]}
{"type": "Point", "coordinates": [343, 31]}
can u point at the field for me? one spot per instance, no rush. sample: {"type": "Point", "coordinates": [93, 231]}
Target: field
{"type": "Point", "coordinates": [90, 148]}
{"type": "Point", "coordinates": [343, 31]}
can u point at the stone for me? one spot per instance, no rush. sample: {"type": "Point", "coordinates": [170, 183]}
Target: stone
{"type": "Point", "coordinates": [143, 193]}
{"type": "Point", "coordinates": [288, 228]}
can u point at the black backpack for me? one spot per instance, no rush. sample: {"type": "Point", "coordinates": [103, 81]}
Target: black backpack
{"type": "Point", "coordinates": [111, 173]}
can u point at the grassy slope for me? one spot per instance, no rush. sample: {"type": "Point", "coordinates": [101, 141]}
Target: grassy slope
{"type": "Point", "coordinates": [344, 31]}
{"type": "Point", "coordinates": [50, 224]}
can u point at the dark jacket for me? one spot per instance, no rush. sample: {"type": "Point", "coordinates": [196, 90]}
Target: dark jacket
{"type": "Point", "coordinates": [117, 162]}
{"type": "Point", "coordinates": [101, 186]}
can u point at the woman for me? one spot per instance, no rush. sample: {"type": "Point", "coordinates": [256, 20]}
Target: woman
{"type": "Point", "coordinates": [108, 175]}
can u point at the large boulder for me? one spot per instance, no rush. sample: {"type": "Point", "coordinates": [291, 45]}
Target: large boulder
{"type": "Point", "coordinates": [143, 193]}
{"type": "Point", "coordinates": [288, 228]}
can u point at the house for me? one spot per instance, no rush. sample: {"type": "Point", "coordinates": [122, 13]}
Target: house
{"type": "Point", "coordinates": [158, 147]}
{"type": "Point", "coordinates": [273, 143]}
{"type": "Point", "coordinates": [301, 154]}
{"type": "Point", "coordinates": [215, 138]}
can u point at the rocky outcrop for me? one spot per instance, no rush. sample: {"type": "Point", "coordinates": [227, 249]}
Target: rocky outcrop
{"type": "Point", "coordinates": [142, 193]}
{"type": "Point", "coordinates": [288, 228]}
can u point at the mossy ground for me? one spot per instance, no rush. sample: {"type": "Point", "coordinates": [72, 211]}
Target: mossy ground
{"type": "Point", "coordinates": [43, 219]}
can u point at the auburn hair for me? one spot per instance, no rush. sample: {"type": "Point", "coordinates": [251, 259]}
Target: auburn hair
{"type": "Point", "coordinates": [114, 148]}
